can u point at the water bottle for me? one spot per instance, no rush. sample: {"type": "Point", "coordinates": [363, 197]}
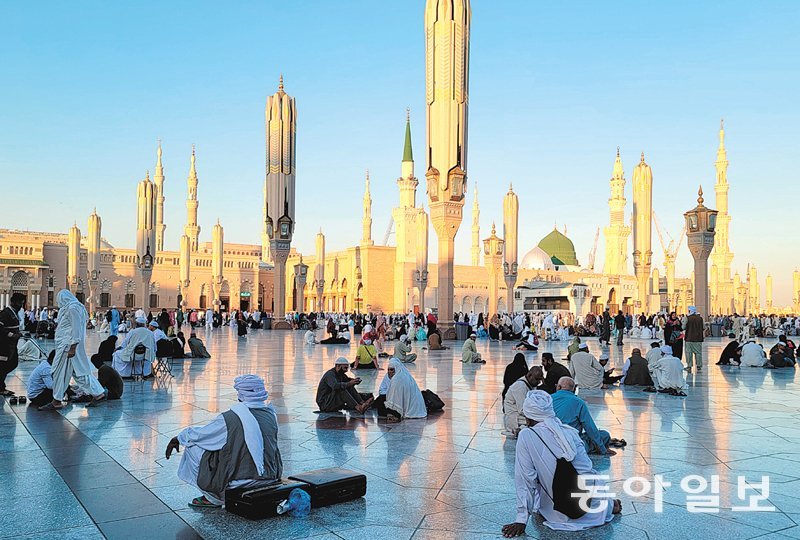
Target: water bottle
{"type": "Point", "coordinates": [297, 505]}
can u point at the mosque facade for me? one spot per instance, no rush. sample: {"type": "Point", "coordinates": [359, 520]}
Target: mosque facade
{"type": "Point", "coordinates": [367, 277]}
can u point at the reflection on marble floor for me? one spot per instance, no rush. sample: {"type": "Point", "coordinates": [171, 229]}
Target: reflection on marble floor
{"type": "Point", "coordinates": [89, 473]}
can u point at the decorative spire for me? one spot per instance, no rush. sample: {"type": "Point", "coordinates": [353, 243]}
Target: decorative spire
{"type": "Point", "coordinates": [408, 154]}
{"type": "Point", "coordinates": [511, 187]}
{"type": "Point", "coordinates": [147, 175]}
{"type": "Point", "coordinates": [280, 83]}
{"type": "Point", "coordinates": [618, 151]}
{"type": "Point", "coordinates": [192, 170]}
{"type": "Point", "coordinates": [642, 156]}
{"type": "Point", "coordinates": [700, 196]}
{"type": "Point", "coordinates": [158, 153]}
{"type": "Point", "coordinates": [494, 230]}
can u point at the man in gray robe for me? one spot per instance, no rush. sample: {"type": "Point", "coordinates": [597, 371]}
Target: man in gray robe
{"type": "Point", "coordinates": [239, 447]}
{"type": "Point", "coordinates": [336, 391]}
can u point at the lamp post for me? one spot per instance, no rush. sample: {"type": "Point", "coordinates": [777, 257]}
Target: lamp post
{"type": "Point", "coordinates": [146, 268]}
{"type": "Point", "coordinates": [492, 255]}
{"type": "Point", "coordinates": [300, 276]}
{"type": "Point", "coordinates": [701, 224]}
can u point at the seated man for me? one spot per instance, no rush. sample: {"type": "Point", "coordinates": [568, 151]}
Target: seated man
{"type": "Point", "coordinates": [163, 343]}
{"type": "Point", "coordinates": [111, 381]}
{"type": "Point", "coordinates": [573, 347]}
{"type": "Point", "coordinates": [40, 382]}
{"type": "Point", "coordinates": [585, 369]}
{"type": "Point", "coordinates": [435, 341]}
{"type": "Point", "coordinates": [198, 350]}
{"type": "Point", "coordinates": [158, 333]}
{"type": "Point", "coordinates": [753, 355]}
{"type": "Point", "coordinates": [513, 419]}
{"type": "Point", "coordinates": [731, 353]}
{"type": "Point", "coordinates": [667, 373]}
{"type": "Point", "coordinates": [573, 412]}
{"type": "Point", "coordinates": [105, 353]}
{"type": "Point", "coordinates": [366, 355]}
{"type": "Point", "coordinates": [336, 391]}
{"type": "Point", "coordinates": [469, 353]}
{"type": "Point", "coordinates": [238, 447]}
{"type": "Point", "coordinates": [654, 353]}
{"type": "Point", "coordinates": [337, 338]}
{"type": "Point", "coordinates": [309, 338]}
{"type": "Point", "coordinates": [528, 342]}
{"type": "Point", "coordinates": [179, 345]}
{"type": "Point", "coordinates": [608, 374]}
{"type": "Point", "coordinates": [781, 355]}
{"type": "Point", "coordinates": [553, 373]}
{"type": "Point", "coordinates": [544, 438]}
{"type": "Point", "coordinates": [122, 360]}
{"type": "Point", "coordinates": [635, 372]}
{"type": "Point", "coordinates": [402, 350]}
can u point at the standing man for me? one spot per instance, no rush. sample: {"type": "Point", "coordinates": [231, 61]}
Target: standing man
{"type": "Point", "coordinates": [695, 328]}
{"type": "Point", "coordinates": [619, 324]}
{"type": "Point", "coordinates": [113, 324]}
{"type": "Point", "coordinates": [605, 328]}
{"type": "Point", "coordinates": [209, 319]}
{"type": "Point", "coordinates": [70, 359]}
{"type": "Point", "coordinates": [9, 335]}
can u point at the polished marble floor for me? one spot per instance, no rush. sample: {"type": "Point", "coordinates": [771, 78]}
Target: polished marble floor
{"type": "Point", "coordinates": [89, 473]}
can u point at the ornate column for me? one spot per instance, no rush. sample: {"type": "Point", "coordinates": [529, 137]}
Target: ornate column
{"type": "Point", "coordinates": [319, 271]}
{"type": "Point", "coordinates": [93, 260]}
{"type": "Point", "coordinates": [421, 273]}
{"type": "Point", "coordinates": [185, 269]}
{"type": "Point", "coordinates": [642, 228]}
{"type": "Point", "coordinates": [510, 229]}
{"type": "Point", "coordinates": [217, 263]}
{"type": "Point", "coordinates": [701, 223]}
{"type": "Point", "coordinates": [300, 277]}
{"type": "Point", "coordinates": [492, 258]}
{"type": "Point", "coordinates": [73, 257]}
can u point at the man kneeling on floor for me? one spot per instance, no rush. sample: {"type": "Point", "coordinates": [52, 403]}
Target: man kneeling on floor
{"type": "Point", "coordinates": [573, 412]}
{"type": "Point", "coordinates": [539, 446]}
{"type": "Point", "coordinates": [238, 447]}
{"type": "Point", "coordinates": [336, 391]}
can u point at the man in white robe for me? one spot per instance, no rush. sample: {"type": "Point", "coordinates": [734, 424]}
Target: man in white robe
{"type": "Point", "coordinates": [238, 447]}
{"type": "Point", "coordinates": [513, 419]}
{"type": "Point", "coordinates": [70, 360]}
{"type": "Point", "coordinates": [585, 369]}
{"type": "Point", "coordinates": [654, 353]}
{"type": "Point", "coordinates": [753, 355]}
{"type": "Point", "coordinates": [538, 446]}
{"type": "Point", "coordinates": [667, 372]}
{"type": "Point", "coordinates": [209, 320]}
{"type": "Point", "coordinates": [122, 360]}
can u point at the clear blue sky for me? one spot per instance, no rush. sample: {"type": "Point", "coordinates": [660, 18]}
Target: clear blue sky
{"type": "Point", "coordinates": [88, 87]}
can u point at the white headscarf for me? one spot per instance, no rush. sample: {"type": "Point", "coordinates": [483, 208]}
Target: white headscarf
{"type": "Point", "coordinates": [538, 406]}
{"type": "Point", "coordinates": [252, 391]}
{"type": "Point", "coordinates": [250, 388]}
{"type": "Point", "coordinates": [667, 350]}
{"type": "Point", "coordinates": [66, 298]}
{"type": "Point", "coordinates": [692, 310]}
{"type": "Point", "coordinates": [403, 395]}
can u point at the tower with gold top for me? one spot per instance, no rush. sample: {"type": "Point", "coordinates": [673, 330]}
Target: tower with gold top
{"type": "Point", "coordinates": [721, 258]}
{"type": "Point", "coordinates": [447, 26]}
{"type": "Point", "coordinates": [192, 229]}
{"type": "Point", "coordinates": [642, 230]}
{"type": "Point", "coordinates": [279, 218]}
{"type": "Point", "coordinates": [158, 179]}
{"type": "Point", "coordinates": [617, 233]}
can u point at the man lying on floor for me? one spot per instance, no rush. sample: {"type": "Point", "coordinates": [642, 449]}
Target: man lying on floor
{"type": "Point", "coordinates": [238, 447]}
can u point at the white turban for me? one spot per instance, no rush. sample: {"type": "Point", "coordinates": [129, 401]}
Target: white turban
{"type": "Point", "coordinates": [341, 361]}
{"type": "Point", "coordinates": [692, 310]}
{"type": "Point", "coordinates": [403, 337]}
{"type": "Point", "coordinates": [666, 349]}
{"type": "Point", "coordinates": [141, 320]}
{"type": "Point", "coordinates": [584, 346]}
{"type": "Point", "coordinates": [604, 356]}
{"type": "Point", "coordinates": [250, 388]}
{"type": "Point", "coordinates": [538, 406]}
{"type": "Point", "coordinates": [367, 329]}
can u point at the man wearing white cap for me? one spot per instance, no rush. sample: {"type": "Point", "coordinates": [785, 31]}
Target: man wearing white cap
{"type": "Point", "coordinates": [695, 330]}
{"type": "Point", "coordinates": [236, 448]}
{"type": "Point", "coordinates": [402, 351]}
{"type": "Point", "coordinates": [469, 353]}
{"type": "Point", "coordinates": [539, 446]}
{"type": "Point", "coordinates": [667, 373]}
{"type": "Point", "coordinates": [336, 391]}
{"type": "Point", "coordinates": [122, 360]}
{"type": "Point", "coordinates": [585, 369]}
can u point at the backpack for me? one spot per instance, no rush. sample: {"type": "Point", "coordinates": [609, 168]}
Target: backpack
{"type": "Point", "coordinates": [566, 495]}
{"type": "Point", "coordinates": [433, 402]}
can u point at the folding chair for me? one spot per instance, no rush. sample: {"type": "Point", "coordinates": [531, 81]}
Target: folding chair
{"type": "Point", "coordinates": [140, 356]}
{"type": "Point", "coordinates": [163, 365]}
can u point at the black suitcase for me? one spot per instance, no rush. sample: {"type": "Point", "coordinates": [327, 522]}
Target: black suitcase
{"type": "Point", "coordinates": [331, 486]}
{"type": "Point", "coordinates": [260, 500]}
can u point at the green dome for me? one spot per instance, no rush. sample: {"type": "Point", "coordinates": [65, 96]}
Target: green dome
{"type": "Point", "coordinates": [560, 248]}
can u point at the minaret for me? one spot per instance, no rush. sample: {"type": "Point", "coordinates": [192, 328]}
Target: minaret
{"type": "Point", "coordinates": [407, 181]}
{"type": "Point", "coordinates": [281, 128]}
{"type": "Point", "coordinates": [158, 178]}
{"type": "Point", "coordinates": [722, 257]}
{"type": "Point", "coordinates": [146, 234]}
{"type": "Point", "coordinates": [796, 290]}
{"type": "Point", "coordinates": [476, 229]}
{"type": "Point", "coordinates": [642, 228]}
{"type": "Point", "coordinates": [753, 302]}
{"type": "Point", "coordinates": [366, 220]}
{"type": "Point", "coordinates": [422, 256]}
{"type": "Point", "coordinates": [93, 258]}
{"type": "Point", "coordinates": [769, 294]}
{"type": "Point", "coordinates": [319, 271]}
{"type": "Point", "coordinates": [447, 26]}
{"type": "Point", "coordinates": [217, 262]}
{"type": "Point", "coordinates": [192, 229]}
{"type": "Point", "coordinates": [510, 234]}
{"type": "Point", "coordinates": [73, 257]}
{"type": "Point", "coordinates": [617, 233]}
{"type": "Point", "coordinates": [185, 269]}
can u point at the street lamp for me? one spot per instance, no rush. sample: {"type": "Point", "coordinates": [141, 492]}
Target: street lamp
{"type": "Point", "coordinates": [701, 225]}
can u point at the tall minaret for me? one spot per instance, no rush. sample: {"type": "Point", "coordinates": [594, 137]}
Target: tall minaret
{"type": "Point", "coordinates": [319, 271]}
{"type": "Point", "coordinates": [192, 229]}
{"type": "Point", "coordinates": [796, 290]}
{"type": "Point", "coordinates": [617, 232]}
{"type": "Point", "coordinates": [769, 294]}
{"type": "Point", "coordinates": [422, 256]}
{"type": "Point", "coordinates": [93, 258]}
{"type": "Point", "coordinates": [407, 181]}
{"type": "Point", "coordinates": [722, 257]}
{"type": "Point", "coordinates": [281, 128]}
{"type": "Point", "coordinates": [476, 229]}
{"type": "Point", "coordinates": [158, 178]}
{"type": "Point", "coordinates": [217, 262]}
{"type": "Point", "coordinates": [366, 220]}
{"type": "Point", "coordinates": [146, 234]}
{"type": "Point", "coordinates": [447, 25]}
{"type": "Point", "coordinates": [73, 257]}
{"type": "Point", "coordinates": [642, 229]}
{"type": "Point", "coordinates": [510, 234]}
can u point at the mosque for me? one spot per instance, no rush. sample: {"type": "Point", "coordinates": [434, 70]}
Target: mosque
{"type": "Point", "coordinates": [371, 277]}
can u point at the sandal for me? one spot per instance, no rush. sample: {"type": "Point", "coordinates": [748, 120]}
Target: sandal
{"type": "Point", "coordinates": [96, 401]}
{"type": "Point", "coordinates": [202, 502]}
{"type": "Point", "coordinates": [50, 407]}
